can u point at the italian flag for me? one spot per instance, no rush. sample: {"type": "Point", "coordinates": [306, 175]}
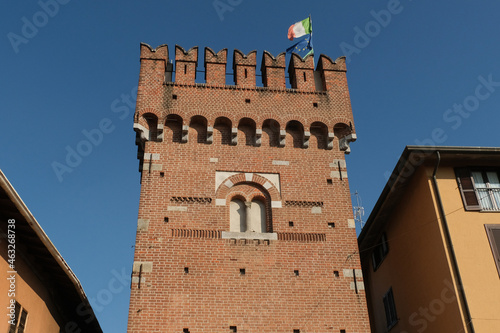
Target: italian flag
{"type": "Point", "coordinates": [299, 29]}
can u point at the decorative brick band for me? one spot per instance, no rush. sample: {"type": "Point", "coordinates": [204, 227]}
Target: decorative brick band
{"type": "Point", "coordinates": [301, 237]}
{"type": "Point", "coordinates": [249, 235]}
{"type": "Point", "coordinates": [191, 200]}
{"type": "Point", "coordinates": [192, 233]}
{"type": "Point", "coordinates": [305, 204]}
{"type": "Point", "coordinates": [233, 87]}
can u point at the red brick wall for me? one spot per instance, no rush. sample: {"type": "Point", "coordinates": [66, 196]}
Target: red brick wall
{"type": "Point", "coordinates": [181, 216]}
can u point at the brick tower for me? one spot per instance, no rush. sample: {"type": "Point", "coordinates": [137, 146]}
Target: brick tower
{"type": "Point", "coordinates": [245, 218]}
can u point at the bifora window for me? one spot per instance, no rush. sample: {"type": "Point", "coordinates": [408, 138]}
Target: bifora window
{"type": "Point", "coordinates": [247, 216]}
{"type": "Point", "coordinates": [493, 232]}
{"type": "Point", "coordinates": [480, 188]}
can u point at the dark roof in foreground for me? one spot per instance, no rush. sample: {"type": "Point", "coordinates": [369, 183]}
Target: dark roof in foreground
{"type": "Point", "coordinates": [66, 292]}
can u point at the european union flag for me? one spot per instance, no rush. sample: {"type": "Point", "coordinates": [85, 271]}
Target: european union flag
{"type": "Point", "coordinates": [303, 47]}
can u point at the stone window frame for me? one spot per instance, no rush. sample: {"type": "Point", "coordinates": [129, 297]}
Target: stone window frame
{"type": "Point", "coordinates": [268, 233]}
{"type": "Point", "coordinates": [247, 201]}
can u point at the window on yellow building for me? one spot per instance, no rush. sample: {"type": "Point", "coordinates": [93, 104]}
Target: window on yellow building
{"type": "Point", "coordinates": [390, 309]}
{"type": "Point", "coordinates": [493, 232]}
{"type": "Point", "coordinates": [379, 252]}
{"type": "Point", "coordinates": [19, 323]}
{"type": "Point", "coordinates": [480, 188]}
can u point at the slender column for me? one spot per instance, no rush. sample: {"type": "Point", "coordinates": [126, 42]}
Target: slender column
{"type": "Point", "coordinates": [248, 205]}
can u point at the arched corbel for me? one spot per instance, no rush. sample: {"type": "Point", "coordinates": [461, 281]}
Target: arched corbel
{"type": "Point", "coordinates": [344, 143]}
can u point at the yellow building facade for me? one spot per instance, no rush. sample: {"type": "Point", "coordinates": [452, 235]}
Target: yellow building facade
{"type": "Point", "coordinates": [430, 248]}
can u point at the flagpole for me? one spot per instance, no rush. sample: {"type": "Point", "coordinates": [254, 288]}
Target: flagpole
{"type": "Point", "coordinates": [310, 41]}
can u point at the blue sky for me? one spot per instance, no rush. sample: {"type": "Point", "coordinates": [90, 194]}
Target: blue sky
{"type": "Point", "coordinates": [419, 72]}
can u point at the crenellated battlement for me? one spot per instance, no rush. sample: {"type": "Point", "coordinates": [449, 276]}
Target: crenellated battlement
{"type": "Point", "coordinates": [273, 70]}
{"type": "Point", "coordinates": [244, 68]}
{"type": "Point", "coordinates": [301, 72]}
{"type": "Point", "coordinates": [160, 53]}
{"type": "Point", "coordinates": [215, 66]}
{"type": "Point", "coordinates": [185, 64]}
{"type": "Point", "coordinates": [172, 108]}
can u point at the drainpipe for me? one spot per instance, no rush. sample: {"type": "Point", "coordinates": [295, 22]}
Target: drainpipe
{"type": "Point", "coordinates": [449, 245]}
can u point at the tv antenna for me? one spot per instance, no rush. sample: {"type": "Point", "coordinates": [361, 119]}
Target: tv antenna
{"type": "Point", "coordinates": [359, 211]}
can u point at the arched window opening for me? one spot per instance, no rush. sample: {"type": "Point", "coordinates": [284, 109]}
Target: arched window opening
{"type": "Point", "coordinates": [272, 128]}
{"type": "Point", "coordinates": [319, 131]}
{"type": "Point", "coordinates": [340, 130]}
{"type": "Point", "coordinates": [249, 208]}
{"type": "Point", "coordinates": [223, 126]}
{"type": "Point", "coordinates": [237, 216]}
{"type": "Point", "coordinates": [198, 127]}
{"type": "Point", "coordinates": [173, 128]}
{"type": "Point", "coordinates": [248, 128]}
{"type": "Point", "coordinates": [152, 122]}
{"type": "Point", "coordinates": [295, 130]}
{"type": "Point", "coordinates": [257, 214]}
